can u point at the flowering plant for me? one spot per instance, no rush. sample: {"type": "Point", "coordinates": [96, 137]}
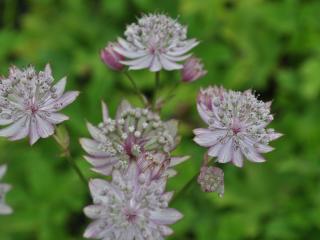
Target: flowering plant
{"type": "Point", "coordinates": [133, 151]}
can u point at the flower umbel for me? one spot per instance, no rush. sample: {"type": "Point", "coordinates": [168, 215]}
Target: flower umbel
{"type": "Point", "coordinates": [155, 42]}
{"type": "Point", "coordinates": [211, 179]}
{"type": "Point", "coordinates": [130, 207]}
{"type": "Point", "coordinates": [237, 125]}
{"type": "Point", "coordinates": [29, 103]}
{"type": "Point", "coordinates": [136, 134]}
{"type": "Point", "coordinates": [193, 69]}
{"type": "Point", "coordinates": [4, 188]}
{"type": "Point", "coordinates": [111, 58]}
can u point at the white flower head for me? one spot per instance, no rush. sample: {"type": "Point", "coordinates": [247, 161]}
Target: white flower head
{"type": "Point", "coordinates": [131, 207]}
{"type": "Point", "coordinates": [237, 125]}
{"type": "Point", "coordinates": [4, 188]}
{"type": "Point", "coordinates": [135, 134]}
{"type": "Point", "coordinates": [156, 42]}
{"type": "Point", "coordinates": [29, 103]}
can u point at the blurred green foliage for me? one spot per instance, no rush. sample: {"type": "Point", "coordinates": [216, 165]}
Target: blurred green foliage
{"type": "Point", "coordinates": [272, 46]}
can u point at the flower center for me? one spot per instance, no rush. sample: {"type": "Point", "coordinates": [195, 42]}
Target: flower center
{"type": "Point", "coordinates": [236, 126]}
{"type": "Point", "coordinates": [130, 215]}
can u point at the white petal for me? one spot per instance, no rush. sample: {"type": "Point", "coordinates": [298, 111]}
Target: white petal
{"type": "Point", "coordinates": [174, 161]}
{"type": "Point", "coordinates": [56, 118]}
{"type": "Point", "coordinates": [226, 152]}
{"type": "Point", "coordinates": [124, 106]}
{"type": "Point", "coordinates": [203, 114]}
{"type": "Point", "coordinates": [60, 86]}
{"type": "Point", "coordinates": [105, 111]}
{"type": "Point", "coordinates": [237, 158]}
{"type": "Point", "coordinates": [182, 50]}
{"type": "Point", "coordinates": [44, 128]}
{"type": "Point", "coordinates": [209, 137]}
{"type": "Point", "coordinates": [155, 64]}
{"type": "Point", "coordinates": [92, 147]}
{"type": "Point", "coordinates": [250, 153]}
{"type": "Point", "coordinates": [23, 132]}
{"type": "Point", "coordinates": [96, 133]}
{"type": "Point", "coordinates": [168, 64]}
{"type": "Point", "coordinates": [214, 150]}
{"type": "Point", "coordinates": [5, 209]}
{"type": "Point", "coordinates": [14, 128]}
{"type": "Point", "coordinates": [129, 53]}
{"type": "Point", "coordinates": [62, 102]}
{"type": "Point", "coordinates": [34, 135]}
{"type": "Point", "coordinates": [262, 148]}
{"type": "Point", "coordinates": [165, 216]}
{"type": "Point", "coordinates": [94, 211]}
{"type": "Point", "coordinates": [178, 58]}
{"type": "Point", "coordinates": [139, 63]}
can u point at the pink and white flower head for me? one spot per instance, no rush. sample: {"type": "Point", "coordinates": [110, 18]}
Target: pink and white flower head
{"type": "Point", "coordinates": [211, 179]}
{"type": "Point", "coordinates": [131, 207]}
{"type": "Point", "coordinates": [193, 69]}
{"type": "Point", "coordinates": [155, 42]}
{"type": "Point", "coordinates": [135, 134]}
{"type": "Point", "coordinates": [4, 188]}
{"type": "Point", "coordinates": [237, 124]}
{"type": "Point", "coordinates": [111, 58]}
{"type": "Point", "coordinates": [29, 103]}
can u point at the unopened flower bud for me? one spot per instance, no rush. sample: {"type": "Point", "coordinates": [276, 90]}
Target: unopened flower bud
{"type": "Point", "coordinates": [111, 58]}
{"type": "Point", "coordinates": [211, 179]}
{"type": "Point", "coordinates": [193, 69]}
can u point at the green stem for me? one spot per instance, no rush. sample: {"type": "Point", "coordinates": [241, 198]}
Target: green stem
{"type": "Point", "coordinates": [76, 168]}
{"type": "Point", "coordinates": [185, 188]}
{"type": "Point", "coordinates": [136, 89]}
{"type": "Point", "coordinates": [155, 92]}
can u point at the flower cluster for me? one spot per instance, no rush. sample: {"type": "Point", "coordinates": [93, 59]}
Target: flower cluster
{"type": "Point", "coordinates": [132, 206]}
{"type": "Point", "coordinates": [237, 124]}
{"type": "Point", "coordinates": [135, 134]}
{"type": "Point", "coordinates": [155, 42]}
{"type": "Point", "coordinates": [29, 103]}
{"type": "Point", "coordinates": [4, 188]}
{"type": "Point", "coordinates": [211, 179]}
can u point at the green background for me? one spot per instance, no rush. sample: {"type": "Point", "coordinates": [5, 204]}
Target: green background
{"type": "Point", "coordinates": [270, 46]}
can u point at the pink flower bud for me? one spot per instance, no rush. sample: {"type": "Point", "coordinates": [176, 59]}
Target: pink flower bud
{"type": "Point", "coordinates": [211, 179]}
{"type": "Point", "coordinates": [193, 69]}
{"type": "Point", "coordinates": [111, 58]}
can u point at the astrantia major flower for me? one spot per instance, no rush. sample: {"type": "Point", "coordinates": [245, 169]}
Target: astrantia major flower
{"type": "Point", "coordinates": [136, 135]}
{"type": "Point", "coordinates": [155, 42]}
{"type": "Point", "coordinates": [237, 125]}
{"type": "Point", "coordinates": [131, 207]}
{"type": "Point", "coordinates": [211, 179]}
{"type": "Point", "coordinates": [29, 103]}
{"type": "Point", "coordinates": [4, 188]}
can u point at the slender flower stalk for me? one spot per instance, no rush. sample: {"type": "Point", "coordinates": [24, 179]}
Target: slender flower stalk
{"type": "Point", "coordinates": [156, 89]}
{"type": "Point", "coordinates": [63, 140]}
{"type": "Point", "coordinates": [142, 98]}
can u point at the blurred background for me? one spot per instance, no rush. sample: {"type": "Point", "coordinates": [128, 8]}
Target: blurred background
{"type": "Point", "coordinates": [267, 45]}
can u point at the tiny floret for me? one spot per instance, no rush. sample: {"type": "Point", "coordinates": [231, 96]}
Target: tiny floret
{"type": "Point", "coordinates": [237, 124]}
{"type": "Point", "coordinates": [4, 188]}
{"type": "Point", "coordinates": [112, 58]}
{"type": "Point", "coordinates": [155, 42]}
{"type": "Point", "coordinates": [30, 103]}
{"type": "Point", "coordinates": [130, 207]}
{"type": "Point", "coordinates": [211, 179]}
{"type": "Point", "coordinates": [193, 70]}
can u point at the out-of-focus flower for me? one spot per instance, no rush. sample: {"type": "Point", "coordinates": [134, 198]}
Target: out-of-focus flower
{"type": "Point", "coordinates": [193, 69]}
{"type": "Point", "coordinates": [112, 58]}
{"type": "Point", "coordinates": [135, 134]}
{"type": "Point", "coordinates": [29, 103]}
{"type": "Point", "coordinates": [237, 125]}
{"type": "Point", "coordinates": [130, 207]}
{"type": "Point", "coordinates": [211, 179]}
{"type": "Point", "coordinates": [4, 188]}
{"type": "Point", "coordinates": [155, 42]}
